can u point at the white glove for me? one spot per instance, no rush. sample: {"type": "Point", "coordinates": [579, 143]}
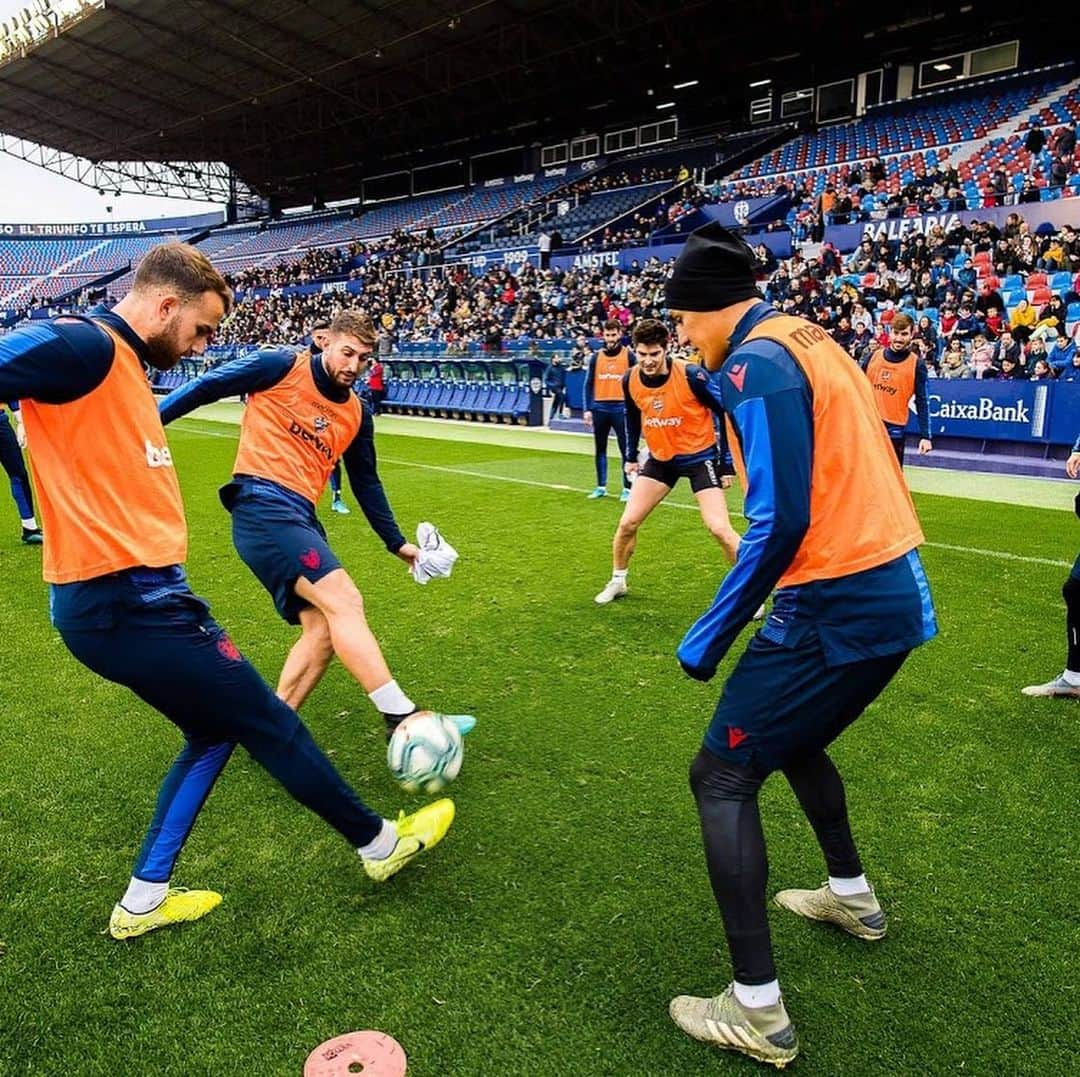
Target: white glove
{"type": "Point", "coordinates": [437, 556]}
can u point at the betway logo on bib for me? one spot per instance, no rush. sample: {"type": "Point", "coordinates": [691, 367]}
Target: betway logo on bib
{"type": "Point", "coordinates": [156, 457]}
{"type": "Point", "coordinates": [307, 436]}
{"type": "Point", "coordinates": [671, 420]}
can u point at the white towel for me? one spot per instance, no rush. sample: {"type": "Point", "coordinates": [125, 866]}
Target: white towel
{"type": "Point", "coordinates": [437, 556]}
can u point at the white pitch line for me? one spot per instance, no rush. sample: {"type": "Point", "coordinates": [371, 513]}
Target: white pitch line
{"type": "Point", "coordinates": [1000, 555]}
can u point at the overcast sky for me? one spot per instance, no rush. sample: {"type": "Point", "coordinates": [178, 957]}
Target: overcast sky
{"type": "Point", "coordinates": [35, 195]}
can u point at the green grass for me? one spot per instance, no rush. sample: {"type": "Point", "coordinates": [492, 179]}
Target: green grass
{"type": "Point", "coordinates": [570, 900]}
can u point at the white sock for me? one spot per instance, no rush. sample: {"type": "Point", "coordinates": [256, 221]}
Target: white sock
{"type": "Point", "coordinates": [382, 845]}
{"type": "Point", "coordinates": [619, 574]}
{"type": "Point", "coordinates": [390, 699]}
{"type": "Point", "coordinates": [754, 996]}
{"type": "Point", "coordinates": [849, 887]}
{"type": "Point", "coordinates": [142, 896]}
{"type": "Point", "coordinates": [1072, 678]}
{"type": "Point", "coordinates": [30, 523]}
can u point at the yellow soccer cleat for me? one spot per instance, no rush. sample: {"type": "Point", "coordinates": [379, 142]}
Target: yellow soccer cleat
{"type": "Point", "coordinates": [179, 906]}
{"type": "Point", "coordinates": [422, 830]}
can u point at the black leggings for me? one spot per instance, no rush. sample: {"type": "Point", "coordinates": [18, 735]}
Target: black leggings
{"type": "Point", "coordinates": [726, 795]}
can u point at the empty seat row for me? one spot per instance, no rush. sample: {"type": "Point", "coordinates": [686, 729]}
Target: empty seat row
{"type": "Point", "coordinates": [457, 399]}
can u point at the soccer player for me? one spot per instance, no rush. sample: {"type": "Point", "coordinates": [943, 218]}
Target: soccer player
{"type": "Point", "coordinates": [897, 373]}
{"type": "Point", "coordinates": [12, 443]}
{"type": "Point", "coordinates": [119, 597]}
{"type": "Point", "coordinates": [668, 399]}
{"type": "Point", "coordinates": [833, 529]}
{"type": "Point", "coordinates": [301, 418]}
{"type": "Point", "coordinates": [604, 408]}
{"type": "Point", "coordinates": [1068, 683]}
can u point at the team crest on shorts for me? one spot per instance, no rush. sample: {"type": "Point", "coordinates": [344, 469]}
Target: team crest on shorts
{"type": "Point", "coordinates": [310, 559]}
{"type": "Point", "coordinates": [228, 649]}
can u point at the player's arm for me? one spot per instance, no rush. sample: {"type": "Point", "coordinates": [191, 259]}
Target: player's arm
{"type": "Point", "coordinates": [633, 425]}
{"type": "Point", "coordinates": [590, 389]}
{"type": "Point", "coordinates": [698, 379]}
{"type": "Point", "coordinates": [773, 419]}
{"type": "Point", "coordinates": [249, 374]}
{"type": "Point", "coordinates": [54, 362]}
{"type": "Point", "coordinates": [922, 407]}
{"type": "Point", "coordinates": [361, 466]}
{"type": "Point", "coordinates": [1072, 465]}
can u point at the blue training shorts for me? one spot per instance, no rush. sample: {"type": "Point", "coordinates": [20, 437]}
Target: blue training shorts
{"type": "Point", "coordinates": [280, 545]}
{"type": "Point", "coordinates": [783, 704]}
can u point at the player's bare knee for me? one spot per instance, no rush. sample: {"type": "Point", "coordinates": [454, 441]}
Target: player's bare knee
{"type": "Point", "coordinates": [629, 526]}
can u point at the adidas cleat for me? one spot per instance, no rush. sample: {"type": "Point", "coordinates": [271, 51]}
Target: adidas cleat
{"type": "Point", "coordinates": [600, 491]}
{"type": "Point", "coordinates": [32, 536]}
{"type": "Point", "coordinates": [859, 915]}
{"type": "Point", "coordinates": [765, 1034]}
{"type": "Point", "coordinates": [179, 906]}
{"type": "Point", "coordinates": [416, 833]}
{"type": "Point", "coordinates": [339, 506]}
{"type": "Point", "coordinates": [614, 589]}
{"type": "Point", "coordinates": [1057, 687]}
{"type": "Point", "coordinates": [625, 495]}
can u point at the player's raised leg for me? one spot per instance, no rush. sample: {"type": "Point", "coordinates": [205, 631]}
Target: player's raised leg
{"type": "Point", "coordinates": [645, 495]}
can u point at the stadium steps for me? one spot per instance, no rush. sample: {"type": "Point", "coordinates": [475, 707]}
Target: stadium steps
{"type": "Point", "coordinates": [1010, 126]}
{"type": "Point", "coordinates": [27, 291]}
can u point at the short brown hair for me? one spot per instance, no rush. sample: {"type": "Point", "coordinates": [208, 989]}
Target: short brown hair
{"type": "Point", "coordinates": [613, 323]}
{"type": "Point", "coordinates": [650, 331]}
{"type": "Point", "coordinates": [902, 321]}
{"type": "Point", "coordinates": [354, 323]}
{"type": "Point", "coordinates": [184, 268]}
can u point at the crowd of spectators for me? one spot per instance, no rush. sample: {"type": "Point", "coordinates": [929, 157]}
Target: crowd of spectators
{"type": "Point", "coordinates": [399, 249]}
{"type": "Point", "coordinates": [450, 306]}
{"type": "Point", "coordinates": [952, 286]}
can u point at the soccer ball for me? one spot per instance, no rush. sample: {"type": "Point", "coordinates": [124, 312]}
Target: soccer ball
{"type": "Point", "coordinates": [425, 752]}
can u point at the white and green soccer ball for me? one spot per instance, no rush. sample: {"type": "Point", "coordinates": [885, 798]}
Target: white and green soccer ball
{"type": "Point", "coordinates": [425, 752]}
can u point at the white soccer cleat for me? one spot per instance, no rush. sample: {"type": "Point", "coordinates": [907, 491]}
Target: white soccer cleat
{"type": "Point", "coordinates": [614, 589]}
{"type": "Point", "coordinates": [1057, 687]}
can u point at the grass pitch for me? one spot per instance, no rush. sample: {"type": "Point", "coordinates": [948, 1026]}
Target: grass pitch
{"type": "Point", "coordinates": [570, 900]}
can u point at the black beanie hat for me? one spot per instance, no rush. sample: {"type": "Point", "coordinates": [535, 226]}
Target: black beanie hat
{"type": "Point", "coordinates": [715, 269]}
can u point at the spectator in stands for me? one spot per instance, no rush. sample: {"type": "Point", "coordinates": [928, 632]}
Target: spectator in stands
{"type": "Point", "coordinates": [1034, 143]}
{"type": "Point", "coordinates": [555, 383]}
{"type": "Point", "coordinates": [926, 332]}
{"type": "Point", "coordinates": [1029, 193]}
{"type": "Point", "coordinates": [1062, 353]}
{"type": "Point", "coordinates": [1071, 372]}
{"type": "Point", "coordinates": [1042, 370]}
{"type": "Point", "coordinates": [1059, 172]}
{"type": "Point", "coordinates": [967, 324]}
{"type": "Point", "coordinates": [1036, 352]}
{"type": "Point", "coordinates": [1011, 370]}
{"type": "Point", "coordinates": [1065, 146]}
{"type": "Point", "coordinates": [981, 361]}
{"type": "Point", "coordinates": [1008, 348]}
{"type": "Point", "coordinates": [1022, 320]}
{"type": "Point", "coordinates": [954, 363]}
{"type": "Point", "coordinates": [376, 383]}
{"type": "Point", "coordinates": [843, 334]}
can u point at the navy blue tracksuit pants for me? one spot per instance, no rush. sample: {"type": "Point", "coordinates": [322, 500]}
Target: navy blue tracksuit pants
{"type": "Point", "coordinates": [162, 643]}
{"type": "Point", "coordinates": [606, 421]}
{"type": "Point", "coordinates": [11, 459]}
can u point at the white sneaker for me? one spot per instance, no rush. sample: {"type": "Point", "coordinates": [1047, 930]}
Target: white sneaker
{"type": "Point", "coordinates": [614, 589]}
{"type": "Point", "coordinates": [1057, 687]}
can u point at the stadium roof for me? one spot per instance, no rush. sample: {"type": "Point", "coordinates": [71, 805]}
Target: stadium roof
{"type": "Point", "coordinates": [287, 90]}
